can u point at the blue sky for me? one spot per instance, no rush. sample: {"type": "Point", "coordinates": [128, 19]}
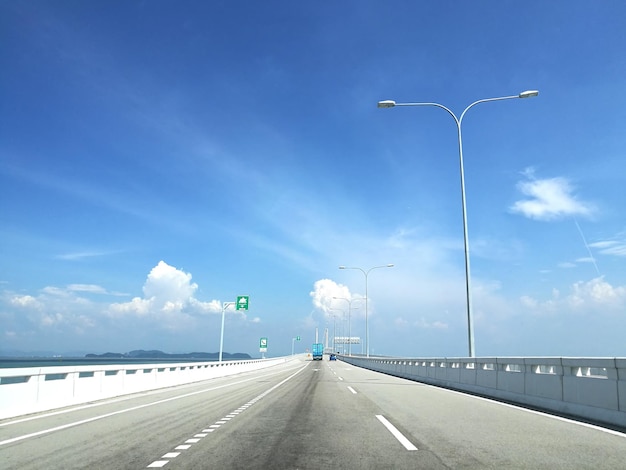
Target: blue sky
{"type": "Point", "coordinates": [160, 158]}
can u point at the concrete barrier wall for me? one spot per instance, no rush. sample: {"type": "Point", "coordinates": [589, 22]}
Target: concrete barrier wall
{"type": "Point", "coordinates": [587, 388]}
{"type": "Point", "coordinates": [30, 390]}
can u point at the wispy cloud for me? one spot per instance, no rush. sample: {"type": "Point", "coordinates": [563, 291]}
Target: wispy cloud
{"type": "Point", "coordinates": [78, 255]}
{"type": "Point", "coordinates": [567, 265]}
{"type": "Point", "coordinates": [92, 289]}
{"type": "Point", "coordinates": [549, 199]}
{"type": "Point", "coordinates": [610, 247]}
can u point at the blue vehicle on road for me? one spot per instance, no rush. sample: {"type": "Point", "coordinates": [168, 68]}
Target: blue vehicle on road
{"type": "Point", "coordinates": [318, 351]}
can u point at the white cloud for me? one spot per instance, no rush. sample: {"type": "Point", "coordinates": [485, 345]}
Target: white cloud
{"type": "Point", "coordinates": [600, 292]}
{"type": "Point", "coordinates": [528, 302]}
{"type": "Point", "coordinates": [401, 322]}
{"type": "Point", "coordinates": [588, 297]}
{"type": "Point", "coordinates": [52, 308]}
{"type": "Point", "coordinates": [27, 301]}
{"type": "Point", "coordinates": [214, 306]}
{"type": "Point", "coordinates": [437, 325]}
{"type": "Point", "coordinates": [168, 296]}
{"type": "Point", "coordinates": [52, 319]}
{"type": "Point", "coordinates": [167, 282]}
{"type": "Point", "coordinates": [137, 306]}
{"type": "Point", "coordinates": [168, 302]}
{"type": "Point", "coordinates": [548, 199]}
{"type": "Point", "coordinates": [323, 296]}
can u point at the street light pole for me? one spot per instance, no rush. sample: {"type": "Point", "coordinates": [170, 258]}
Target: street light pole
{"type": "Point", "coordinates": [366, 273]}
{"type": "Point", "coordinates": [341, 332]}
{"type": "Point", "coordinates": [334, 333]}
{"type": "Point", "coordinates": [458, 121]}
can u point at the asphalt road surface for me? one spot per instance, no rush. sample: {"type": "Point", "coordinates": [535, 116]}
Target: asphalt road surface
{"type": "Point", "coordinates": [305, 415]}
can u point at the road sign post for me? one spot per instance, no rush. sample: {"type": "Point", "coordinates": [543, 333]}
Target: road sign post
{"type": "Point", "coordinates": [293, 344]}
{"type": "Point", "coordinates": [241, 304]}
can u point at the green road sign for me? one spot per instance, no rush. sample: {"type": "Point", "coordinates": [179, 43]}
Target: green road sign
{"type": "Point", "coordinates": [263, 343]}
{"type": "Point", "coordinates": [242, 302]}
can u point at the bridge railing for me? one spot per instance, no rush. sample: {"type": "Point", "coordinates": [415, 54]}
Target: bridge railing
{"type": "Point", "coordinates": [587, 388]}
{"type": "Point", "coordinates": [34, 389]}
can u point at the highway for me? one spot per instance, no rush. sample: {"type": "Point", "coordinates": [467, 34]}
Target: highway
{"type": "Point", "coordinates": [305, 415]}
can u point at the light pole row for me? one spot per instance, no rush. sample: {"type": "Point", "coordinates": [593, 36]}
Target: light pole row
{"type": "Point", "coordinates": [349, 320]}
{"type": "Point", "coordinates": [366, 273]}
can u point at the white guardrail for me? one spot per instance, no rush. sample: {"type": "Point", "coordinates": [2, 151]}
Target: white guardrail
{"type": "Point", "coordinates": [35, 389]}
{"type": "Point", "coordinates": [593, 389]}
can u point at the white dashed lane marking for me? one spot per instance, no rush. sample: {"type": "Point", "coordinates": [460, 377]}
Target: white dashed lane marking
{"type": "Point", "coordinates": [213, 427]}
{"type": "Point", "coordinates": [397, 434]}
{"type": "Point", "coordinates": [158, 464]}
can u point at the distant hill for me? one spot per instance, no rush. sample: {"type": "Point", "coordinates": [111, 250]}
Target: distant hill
{"type": "Point", "coordinates": [156, 354]}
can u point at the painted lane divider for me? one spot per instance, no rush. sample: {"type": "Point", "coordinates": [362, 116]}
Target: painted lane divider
{"type": "Point", "coordinates": [165, 459]}
{"type": "Point", "coordinates": [397, 434]}
{"type": "Point", "coordinates": [352, 390]}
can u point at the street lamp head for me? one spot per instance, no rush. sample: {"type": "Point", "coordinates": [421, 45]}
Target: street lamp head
{"type": "Point", "coordinates": [342, 267]}
{"type": "Point", "coordinates": [528, 94]}
{"type": "Point", "coordinates": [386, 104]}
{"type": "Point", "coordinates": [390, 265]}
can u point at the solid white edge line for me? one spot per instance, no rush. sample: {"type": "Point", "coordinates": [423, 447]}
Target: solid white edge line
{"type": "Point", "coordinates": [138, 407]}
{"type": "Point", "coordinates": [397, 434]}
{"type": "Point", "coordinates": [107, 401]}
{"type": "Point", "coordinates": [536, 412]}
